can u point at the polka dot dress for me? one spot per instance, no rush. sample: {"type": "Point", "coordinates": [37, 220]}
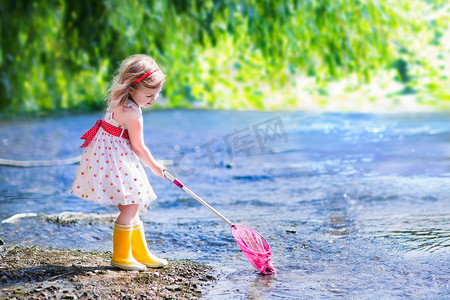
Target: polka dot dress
{"type": "Point", "coordinates": [111, 173]}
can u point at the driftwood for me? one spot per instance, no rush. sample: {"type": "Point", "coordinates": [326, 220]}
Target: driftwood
{"type": "Point", "coordinates": [64, 218]}
{"type": "Point", "coordinates": [39, 163]}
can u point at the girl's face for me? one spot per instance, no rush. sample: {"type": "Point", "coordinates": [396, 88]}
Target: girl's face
{"type": "Point", "coordinates": [144, 96]}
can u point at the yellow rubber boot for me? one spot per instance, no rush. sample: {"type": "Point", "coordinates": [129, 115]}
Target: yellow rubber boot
{"type": "Point", "coordinates": [140, 250]}
{"type": "Point", "coordinates": [122, 256]}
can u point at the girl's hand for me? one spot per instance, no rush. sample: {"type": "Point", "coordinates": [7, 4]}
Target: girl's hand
{"type": "Point", "coordinates": [158, 170]}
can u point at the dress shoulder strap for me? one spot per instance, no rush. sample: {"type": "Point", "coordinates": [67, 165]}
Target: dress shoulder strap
{"type": "Point", "coordinates": [133, 105]}
{"type": "Point", "coordinates": [109, 115]}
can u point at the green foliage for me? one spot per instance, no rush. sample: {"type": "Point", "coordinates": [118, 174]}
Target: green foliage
{"type": "Point", "coordinates": [59, 54]}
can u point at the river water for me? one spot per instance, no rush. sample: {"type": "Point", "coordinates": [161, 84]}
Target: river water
{"type": "Point", "coordinates": [353, 205]}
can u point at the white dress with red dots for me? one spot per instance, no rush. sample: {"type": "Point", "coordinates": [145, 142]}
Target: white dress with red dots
{"type": "Point", "coordinates": [110, 172]}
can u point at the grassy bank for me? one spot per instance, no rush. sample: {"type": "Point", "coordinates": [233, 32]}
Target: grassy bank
{"type": "Point", "coordinates": [324, 54]}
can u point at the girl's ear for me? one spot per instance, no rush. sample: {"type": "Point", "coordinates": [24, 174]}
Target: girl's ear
{"type": "Point", "coordinates": [131, 91]}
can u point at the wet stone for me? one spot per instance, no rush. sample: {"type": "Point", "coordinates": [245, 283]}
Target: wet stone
{"type": "Point", "coordinates": [173, 287]}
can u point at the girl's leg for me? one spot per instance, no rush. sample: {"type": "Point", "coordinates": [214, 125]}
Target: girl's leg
{"type": "Point", "coordinates": [127, 214]}
{"type": "Point", "coordinates": [140, 249]}
{"type": "Point", "coordinates": [136, 220]}
{"type": "Point", "coordinates": [123, 229]}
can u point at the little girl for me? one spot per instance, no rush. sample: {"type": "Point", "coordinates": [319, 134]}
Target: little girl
{"type": "Point", "coordinates": [110, 171]}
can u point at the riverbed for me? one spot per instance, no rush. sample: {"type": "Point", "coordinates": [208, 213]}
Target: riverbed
{"type": "Point", "coordinates": [353, 205]}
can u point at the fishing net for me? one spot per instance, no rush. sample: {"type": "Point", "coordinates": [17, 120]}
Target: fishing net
{"type": "Point", "coordinates": [255, 248]}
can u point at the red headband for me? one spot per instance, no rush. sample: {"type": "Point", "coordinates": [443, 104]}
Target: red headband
{"type": "Point", "coordinates": [145, 76]}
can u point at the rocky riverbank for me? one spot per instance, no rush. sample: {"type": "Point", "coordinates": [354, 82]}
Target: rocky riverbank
{"type": "Point", "coordinates": [43, 273]}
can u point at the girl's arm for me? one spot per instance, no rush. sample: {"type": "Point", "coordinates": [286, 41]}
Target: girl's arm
{"type": "Point", "coordinates": [134, 123]}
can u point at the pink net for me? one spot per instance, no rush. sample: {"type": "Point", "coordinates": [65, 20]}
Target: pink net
{"type": "Point", "coordinates": [255, 248]}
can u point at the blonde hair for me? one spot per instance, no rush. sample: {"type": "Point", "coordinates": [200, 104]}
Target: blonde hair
{"type": "Point", "coordinates": [131, 69]}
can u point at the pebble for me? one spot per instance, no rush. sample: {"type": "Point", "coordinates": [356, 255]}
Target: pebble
{"type": "Point", "coordinates": [173, 287]}
{"type": "Point", "coordinates": [170, 279]}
